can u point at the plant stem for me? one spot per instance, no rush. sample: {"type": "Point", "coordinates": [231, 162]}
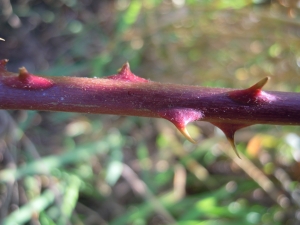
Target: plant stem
{"type": "Point", "coordinates": [127, 94]}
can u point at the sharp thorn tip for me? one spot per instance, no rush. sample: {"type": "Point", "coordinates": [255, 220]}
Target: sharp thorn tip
{"type": "Point", "coordinates": [125, 66]}
{"type": "Point", "coordinates": [260, 84]}
{"type": "Point", "coordinates": [186, 134]}
{"type": "Point", "coordinates": [231, 141]}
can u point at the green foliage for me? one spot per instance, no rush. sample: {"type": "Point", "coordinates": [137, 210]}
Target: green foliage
{"type": "Point", "coordinates": [92, 169]}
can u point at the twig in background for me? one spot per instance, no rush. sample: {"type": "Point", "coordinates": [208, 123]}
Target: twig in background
{"type": "Point", "coordinates": [260, 178]}
{"type": "Point", "coordinates": [139, 187]}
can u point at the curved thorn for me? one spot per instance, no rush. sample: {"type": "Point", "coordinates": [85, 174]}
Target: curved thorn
{"type": "Point", "coordinates": [229, 131]}
{"type": "Point", "coordinates": [231, 141]}
{"type": "Point", "coordinates": [1, 39]}
{"type": "Point", "coordinates": [260, 84]}
{"type": "Point", "coordinates": [186, 134]}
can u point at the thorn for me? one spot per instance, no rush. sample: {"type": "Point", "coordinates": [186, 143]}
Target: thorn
{"type": "Point", "coordinates": [260, 84]}
{"type": "Point", "coordinates": [23, 72]}
{"type": "Point", "coordinates": [231, 141]}
{"type": "Point", "coordinates": [3, 62]}
{"type": "Point", "coordinates": [125, 67]}
{"type": "Point", "coordinates": [229, 131]}
{"type": "Point", "coordinates": [1, 39]}
{"type": "Point", "coordinates": [125, 74]}
{"type": "Point", "coordinates": [252, 95]}
{"type": "Point", "coordinates": [185, 133]}
{"type": "Point", "coordinates": [180, 117]}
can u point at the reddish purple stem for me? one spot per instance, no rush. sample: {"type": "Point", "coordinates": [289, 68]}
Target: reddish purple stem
{"type": "Point", "coordinates": [127, 94]}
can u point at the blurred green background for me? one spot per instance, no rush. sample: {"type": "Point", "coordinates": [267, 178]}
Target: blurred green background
{"type": "Point", "coordinates": [67, 168]}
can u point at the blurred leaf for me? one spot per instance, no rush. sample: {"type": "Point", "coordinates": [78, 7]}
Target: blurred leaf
{"type": "Point", "coordinates": [70, 198]}
{"type": "Point", "coordinates": [130, 16]}
{"type": "Point", "coordinates": [114, 166]}
{"type": "Point", "coordinates": [45, 219]}
{"type": "Point", "coordinates": [47, 164]}
{"type": "Point", "coordinates": [237, 4]}
{"type": "Point", "coordinates": [24, 213]}
{"type": "Point", "coordinates": [114, 171]}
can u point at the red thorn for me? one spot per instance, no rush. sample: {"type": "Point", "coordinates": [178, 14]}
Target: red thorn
{"type": "Point", "coordinates": [125, 69]}
{"type": "Point", "coordinates": [180, 118]}
{"type": "Point", "coordinates": [125, 74]}
{"type": "Point", "coordinates": [229, 131]}
{"type": "Point", "coordinates": [28, 81]}
{"type": "Point", "coordinates": [3, 63]}
{"type": "Point", "coordinates": [253, 95]}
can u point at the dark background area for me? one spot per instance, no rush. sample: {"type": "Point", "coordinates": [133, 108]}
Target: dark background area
{"type": "Point", "coordinates": [67, 168]}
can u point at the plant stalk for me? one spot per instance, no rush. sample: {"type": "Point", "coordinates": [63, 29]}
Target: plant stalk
{"type": "Point", "coordinates": [130, 95]}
